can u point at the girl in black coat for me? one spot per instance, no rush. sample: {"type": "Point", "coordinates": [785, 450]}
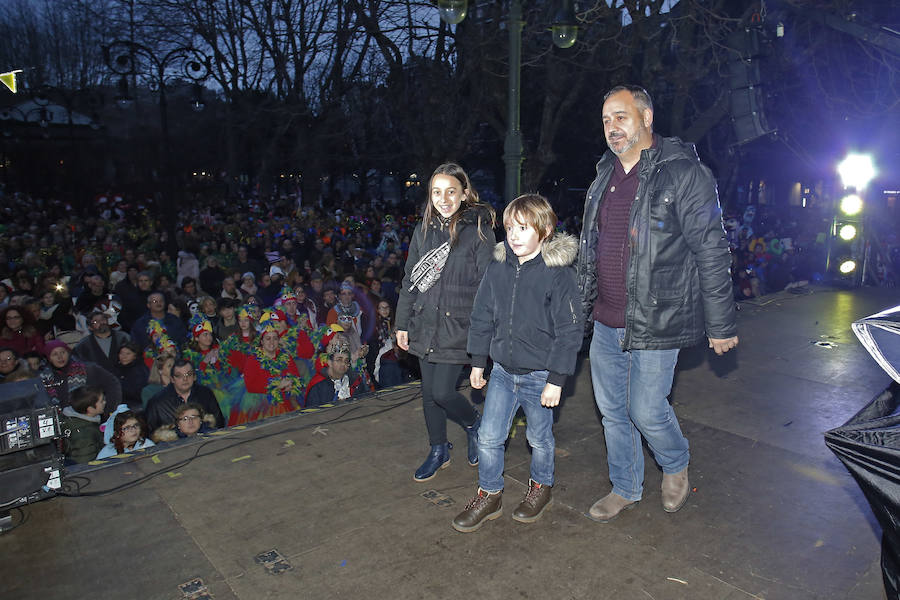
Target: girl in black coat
{"type": "Point", "coordinates": [448, 254]}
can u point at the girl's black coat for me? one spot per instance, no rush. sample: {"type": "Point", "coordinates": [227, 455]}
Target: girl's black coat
{"type": "Point", "coordinates": [437, 320]}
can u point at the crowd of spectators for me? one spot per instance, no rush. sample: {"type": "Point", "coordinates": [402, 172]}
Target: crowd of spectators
{"type": "Point", "coordinates": [259, 307]}
{"type": "Point", "coordinates": [774, 250]}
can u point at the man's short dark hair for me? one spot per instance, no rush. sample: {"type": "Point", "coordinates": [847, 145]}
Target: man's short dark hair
{"type": "Point", "coordinates": [179, 362]}
{"type": "Point", "coordinates": [8, 349]}
{"type": "Point", "coordinates": [640, 95]}
{"type": "Point", "coordinates": [97, 313]}
{"type": "Point", "coordinates": [224, 302]}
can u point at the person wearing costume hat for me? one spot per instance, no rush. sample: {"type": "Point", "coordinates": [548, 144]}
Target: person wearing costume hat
{"type": "Point", "coordinates": [347, 309]}
{"type": "Point", "coordinates": [235, 346]}
{"type": "Point", "coordinates": [335, 382]}
{"type": "Point", "coordinates": [290, 305]}
{"type": "Point", "coordinates": [273, 382]}
{"type": "Point", "coordinates": [212, 370]}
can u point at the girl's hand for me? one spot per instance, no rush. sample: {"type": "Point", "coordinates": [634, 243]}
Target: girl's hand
{"type": "Point", "coordinates": [476, 378]}
{"type": "Point", "coordinates": [403, 339]}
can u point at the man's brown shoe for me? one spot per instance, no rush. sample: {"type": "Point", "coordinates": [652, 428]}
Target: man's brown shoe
{"type": "Point", "coordinates": [483, 507]}
{"type": "Point", "coordinates": [608, 508]}
{"type": "Point", "coordinates": [537, 500]}
{"type": "Point", "coordinates": [675, 490]}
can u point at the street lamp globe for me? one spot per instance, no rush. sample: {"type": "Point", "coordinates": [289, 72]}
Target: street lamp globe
{"type": "Point", "coordinates": [563, 28]}
{"type": "Point", "coordinates": [453, 11]}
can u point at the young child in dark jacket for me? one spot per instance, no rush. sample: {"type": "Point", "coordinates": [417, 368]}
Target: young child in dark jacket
{"type": "Point", "coordinates": [527, 318]}
{"type": "Point", "coordinates": [80, 424]}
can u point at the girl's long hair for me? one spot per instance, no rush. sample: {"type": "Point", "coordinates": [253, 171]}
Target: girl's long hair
{"type": "Point", "coordinates": [120, 421]}
{"type": "Point", "coordinates": [470, 200]}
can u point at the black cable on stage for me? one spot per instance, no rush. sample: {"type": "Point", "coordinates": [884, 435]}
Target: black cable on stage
{"type": "Point", "coordinates": [23, 518]}
{"type": "Point", "coordinates": [168, 468]}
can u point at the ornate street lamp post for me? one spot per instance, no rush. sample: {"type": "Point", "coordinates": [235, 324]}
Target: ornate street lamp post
{"type": "Point", "coordinates": [126, 58]}
{"type": "Point", "coordinates": [564, 31]}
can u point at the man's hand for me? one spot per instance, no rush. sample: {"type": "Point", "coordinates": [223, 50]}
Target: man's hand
{"type": "Point", "coordinates": [476, 378]}
{"type": "Point", "coordinates": [721, 346]}
{"type": "Point", "coordinates": [550, 395]}
{"type": "Point", "coordinates": [403, 339]}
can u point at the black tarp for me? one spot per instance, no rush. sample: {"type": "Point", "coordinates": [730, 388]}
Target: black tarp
{"type": "Point", "coordinates": [869, 443]}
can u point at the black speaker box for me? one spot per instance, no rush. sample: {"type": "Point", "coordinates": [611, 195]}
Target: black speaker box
{"type": "Point", "coordinates": [31, 467]}
{"type": "Point", "coordinates": [28, 418]}
{"type": "Point", "coordinates": [29, 475]}
{"type": "Point", "coordinates": [746, 41]}
{"type": "Point", "coordinates": [743, 73]}
{"type": "Point", "coordinates": [747, 114]}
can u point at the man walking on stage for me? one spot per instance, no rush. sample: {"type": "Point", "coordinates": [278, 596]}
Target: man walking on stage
{"type": "Point", "coordinates": [653, 268]}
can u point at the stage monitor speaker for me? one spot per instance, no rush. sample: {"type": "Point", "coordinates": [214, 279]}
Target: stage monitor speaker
{"type": "Point", "coordinates": [28, 417]}
{"type": "Point", "coordinates": [31, 467]}
{"type": "Point", "coordinates": [747, 114]}
{"type": "Point", "coordinates": [29, 475]}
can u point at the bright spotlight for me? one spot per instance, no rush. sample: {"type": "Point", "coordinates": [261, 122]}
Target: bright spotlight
{"type": "Point", "coordinates": [847, 266]}
{"type": "Point", "coordinates": [847, 232]}
{"type": "Point", "coordinates": [851, 205]}
{"type": "Point", "coordinates": [856, 171]}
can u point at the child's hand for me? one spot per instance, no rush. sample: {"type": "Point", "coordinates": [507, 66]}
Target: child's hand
{"type": "Point", "coordinates": [476, 378]}
{"type": "Point", "coordinates": [550, 395]}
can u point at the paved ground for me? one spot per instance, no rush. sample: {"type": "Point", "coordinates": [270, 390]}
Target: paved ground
{"type": "Point", "coordinates": [323, 505]}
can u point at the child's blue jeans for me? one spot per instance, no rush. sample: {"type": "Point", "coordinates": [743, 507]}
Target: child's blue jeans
{"type": "Point", "coordinates": [505, 393]}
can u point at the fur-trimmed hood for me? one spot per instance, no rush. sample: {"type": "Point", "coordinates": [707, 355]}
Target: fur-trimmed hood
{"type": "Point", "coordinates": [560, 250]}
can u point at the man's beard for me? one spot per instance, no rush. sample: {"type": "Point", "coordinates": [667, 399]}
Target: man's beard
{"type": "Point", "coordinates": [628, 145]}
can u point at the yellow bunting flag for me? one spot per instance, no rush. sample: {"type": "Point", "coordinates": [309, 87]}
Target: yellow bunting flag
{"type": "Point", "coordinates": [9, 79]}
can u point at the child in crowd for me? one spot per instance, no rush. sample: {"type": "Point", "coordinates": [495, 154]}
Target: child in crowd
{"type": "Point", "coordinates": [527, 318]}
{"type": "Point", "coordinates": [35, 361]}
{"type": "Point", "coordinates": [125, 431]}
{"type": "Point", "coordinates": [190, 419]}
{"type": "Point", "coordinates": [80, 425]}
